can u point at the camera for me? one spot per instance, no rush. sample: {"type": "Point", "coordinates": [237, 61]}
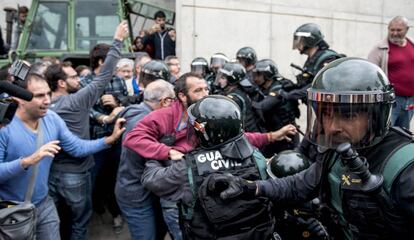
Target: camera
{"type": "Point", "coordinates": [19, 70]}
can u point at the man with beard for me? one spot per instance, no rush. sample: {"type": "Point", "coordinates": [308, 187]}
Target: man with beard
{"type": "Point", "coordinates": [395, 55]}
{"type": "Point", "coordinates": [124, 70]}
{"type": "Point", "coordinates": [365, 169]}
{"type": "Point", "coordinates": [70, 177]}
{"type": "Point", "coordinates": [171, 124]}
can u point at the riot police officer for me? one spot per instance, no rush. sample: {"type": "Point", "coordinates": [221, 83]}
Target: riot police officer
{"type": "Point", "coordinates": [296, 221]}
{"type": "Point", "coordinates": [366, 173]}
{"type": "Point", "coordinates": [275, 111]}
{"type": "Point", "coordinates": [223, 147]}
{"type": "Point", "coordinates": [154, 70]}
{"type": "Point", "coordinates": [309, 40]}
{"type": "Point", "coordinates": [229, 80]}
{"type": "Point", "coordinates": [247, 57]}
{"type": "Point", "coordinates": [199, 65]}
{"type": "Point", "coordinates": [217, 61]}
{"type": "Point", "coordinates": [151, 71]}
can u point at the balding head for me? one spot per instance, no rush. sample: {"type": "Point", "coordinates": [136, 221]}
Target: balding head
{"type": "Point", "coordinates": [159, 93]}
{"type": "Point", "coordinates": [397, 30]}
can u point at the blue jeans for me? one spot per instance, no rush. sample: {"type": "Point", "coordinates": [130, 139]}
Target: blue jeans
{"type": "Point", "coordinates": [47, 223]}
{"type": "Point", "coordinates": [76, 190]}
{"type": "Point", "coordinates": [141, 221]}
{"type": "Point", "coordinates": [401, 115]}
{"type": "Point", "coordinates": [170, 213]}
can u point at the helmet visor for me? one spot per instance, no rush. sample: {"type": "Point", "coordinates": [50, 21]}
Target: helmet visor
{"type": "Point", "coordinates": [217, 62]}
{"type": "Point", "coordinates": [330, 124]}
{"type": "Point", "coordinates": [298, 39]}
{"type": "Point", "coordinates": [199, 69]}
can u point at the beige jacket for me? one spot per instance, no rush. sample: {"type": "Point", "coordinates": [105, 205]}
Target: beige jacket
{"type": "Point", "coordinates": [379, 54]}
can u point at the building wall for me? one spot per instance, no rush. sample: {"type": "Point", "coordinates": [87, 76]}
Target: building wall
{"type": "Point", "coordinates": [351, 27]}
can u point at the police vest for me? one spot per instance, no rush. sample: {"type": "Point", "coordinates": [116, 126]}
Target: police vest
{"type": "Point", "coordinates": [208, 216]}
{"type": "Point", "coordinates": [371, 216]}
{"type": "Point", "coordinates": [319, 60]}
{"type": "Point", "coordinates": [250, 123]}
{"type": "Point", "coordinates": [285, 112]}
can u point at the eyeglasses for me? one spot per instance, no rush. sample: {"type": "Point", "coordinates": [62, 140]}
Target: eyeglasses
{"type": "Point", "coordinates": [167, 99]}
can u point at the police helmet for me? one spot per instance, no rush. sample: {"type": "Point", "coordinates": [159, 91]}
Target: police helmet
{"type": "Point", "coordinates": [153, 70]}
{"type": "Point", "coordinates": [286, 163]}
{"type": "Point", "coordinates": [216, 119]}
{"type": "Point", "coordinates": [349, 92]}
{"type": "Point", "coordinates": [199, 65]}
{"type": "Point", "coordinates": [308, 35]}
{"type": "Point", "coordinates": [233, 72]}
{"type": "Point", "coordinates": [217, 61]}
{"type": "Point", "coordinates": [266, 67]}
{"type": "Point", "coordinates": [247, 56]}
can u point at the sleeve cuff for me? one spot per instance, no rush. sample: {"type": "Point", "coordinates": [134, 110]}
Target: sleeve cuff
{"type": "Point", "coordinates": [17, 167]}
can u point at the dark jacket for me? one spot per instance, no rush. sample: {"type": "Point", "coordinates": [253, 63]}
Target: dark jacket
{"type": "Point", "coordinates": [128, 187]}
{"type": "Point", "coordinates": [317, 179]}
{"type": "Point", "coordinates": [164, 46]}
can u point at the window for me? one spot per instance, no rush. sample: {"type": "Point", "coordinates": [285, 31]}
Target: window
{"type": "Point", "coordinates": [49, 28]}
{"type": "Point", "coordinates": [97, 26]}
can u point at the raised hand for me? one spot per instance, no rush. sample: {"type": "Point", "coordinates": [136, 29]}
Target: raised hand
{"type": "Point", "coordinates": [50, 149]}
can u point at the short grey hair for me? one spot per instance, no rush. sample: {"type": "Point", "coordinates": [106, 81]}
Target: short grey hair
{"type": "Point", "coordinates": [124, 62]}
{"type": "Point", "coordinates": [157, 90]}
{"type": "Point", "coordinates": [399, 19]}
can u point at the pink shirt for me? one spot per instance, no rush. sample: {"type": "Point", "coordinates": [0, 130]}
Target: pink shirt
{"type": "Point", "coordinates": [401, 68]}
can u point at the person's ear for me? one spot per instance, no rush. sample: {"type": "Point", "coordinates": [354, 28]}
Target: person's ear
{"type": "Point", "coordinates": [61, 83]}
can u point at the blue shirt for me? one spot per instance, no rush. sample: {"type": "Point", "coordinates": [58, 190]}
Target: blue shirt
{"type": "Point", "coordinates": [17, 142]}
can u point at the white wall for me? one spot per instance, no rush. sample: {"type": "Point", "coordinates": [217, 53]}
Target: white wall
{"type": "Point", "coordinates": [351, 27]}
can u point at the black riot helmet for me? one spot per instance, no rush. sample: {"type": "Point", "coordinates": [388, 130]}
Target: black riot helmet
{"type": "Point", "coordinates": [199, 65]}
{"type": "Point", "coordinates": [233, 72]}
{"type": "Point", "coordinates": [286, 163]}
{"type": "Point", "coordinates": [349, 100]}
{"type": "Point", "coordinates": [246, 56]}
{"type": "Point", "coordinates": [154, 70]}
{"type": "Point", "coordinates": [267, 68]}
{"type": "Point", "coordinates": [216, 119]}
{"type": "Point", "coordinates": [308, 35]}
{"type": "Point", "coordinates": [217, 61]}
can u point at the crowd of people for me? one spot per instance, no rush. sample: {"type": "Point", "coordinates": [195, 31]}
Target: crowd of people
{"type": "Point", "coordinates": [191, 154]}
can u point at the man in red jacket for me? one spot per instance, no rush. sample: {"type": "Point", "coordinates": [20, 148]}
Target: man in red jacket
{"type": "Point", "coordinates": [170, 125]}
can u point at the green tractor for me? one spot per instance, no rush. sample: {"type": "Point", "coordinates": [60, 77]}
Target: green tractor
{"type": "Point", "coordinates": [68, 29]}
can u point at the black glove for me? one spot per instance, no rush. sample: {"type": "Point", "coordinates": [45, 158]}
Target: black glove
{"type": "Point", "coordinates": [234, 186]}
{"type": "Point", "coordinates": [316, 228]}
{"type": "Point", "coordinates": [283, 94]}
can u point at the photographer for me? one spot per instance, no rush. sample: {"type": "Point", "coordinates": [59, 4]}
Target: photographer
{"type": "Point", "coordinates": [161, 38]}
